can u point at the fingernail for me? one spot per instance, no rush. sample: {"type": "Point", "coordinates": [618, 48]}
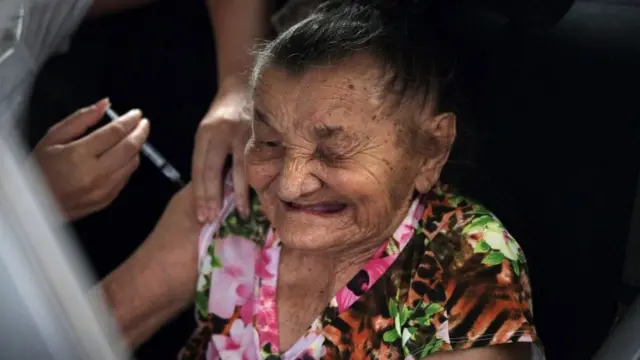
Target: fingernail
{"type": "Point", "coordinates": [202, 215]}
{"type": "Point", "coordinates": [103, 103]}
{"type": "Point", "coordinates": [96, 105]}
{"type": "Point", "coordinates": [131, 115]}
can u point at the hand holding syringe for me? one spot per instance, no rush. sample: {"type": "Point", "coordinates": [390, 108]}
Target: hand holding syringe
{"type": "Point", "coordinates": [156, 158]}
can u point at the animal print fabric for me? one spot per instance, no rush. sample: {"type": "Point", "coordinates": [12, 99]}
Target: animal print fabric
{"type": "Point", "coordinates": [451, 277]}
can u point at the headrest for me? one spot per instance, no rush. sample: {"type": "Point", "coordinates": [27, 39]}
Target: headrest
{"type": "Point", "coordinates": [526, 14]}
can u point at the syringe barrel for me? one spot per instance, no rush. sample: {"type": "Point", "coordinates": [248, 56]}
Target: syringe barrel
{"type": "Point", "coordinates": [152, 154]}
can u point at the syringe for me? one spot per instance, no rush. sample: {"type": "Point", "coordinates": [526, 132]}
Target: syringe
{"type": "Point", "coordinates": [156, 158]}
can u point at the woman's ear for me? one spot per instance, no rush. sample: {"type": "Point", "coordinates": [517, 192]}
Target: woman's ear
{"type": "Point", "coordinates": [441, 133]}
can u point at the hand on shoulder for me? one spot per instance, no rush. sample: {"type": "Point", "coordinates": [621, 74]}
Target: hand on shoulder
{"type": "Point", "coordinates": [224, 130]}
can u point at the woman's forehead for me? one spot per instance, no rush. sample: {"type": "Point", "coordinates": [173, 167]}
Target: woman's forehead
{"type": "Point", "coordinates": [320, 93]}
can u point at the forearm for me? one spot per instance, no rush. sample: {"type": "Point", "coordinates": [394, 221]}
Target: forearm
{"type": "Point", "coordinates": [151, 287]}
{"type": "Point", "coordinates": [106, 7]}
{"type": "Point", "coordinates": [238, 25]}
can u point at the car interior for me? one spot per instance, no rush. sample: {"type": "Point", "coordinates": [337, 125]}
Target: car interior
{"type": "Point", "coordinates": [551, 90]}
{"type": "Point", "coordinates": [560, 139]}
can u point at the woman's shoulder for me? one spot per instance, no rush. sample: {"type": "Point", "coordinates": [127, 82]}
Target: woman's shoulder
{"type": "Point", "coordinates": [461, 260]}
{"type": "Point", "coordinates": [231, 224]}
{"type": "Point", "coordinates": [462, 225]}
{"type": "Point", "coordinates": [229, 242]}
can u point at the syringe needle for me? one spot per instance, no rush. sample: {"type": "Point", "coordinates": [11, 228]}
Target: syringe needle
{"type": "Point", "coordinates": [154, 156]}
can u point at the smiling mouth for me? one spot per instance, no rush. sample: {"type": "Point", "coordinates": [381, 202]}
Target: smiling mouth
{"type": "Point", "coordinates": [317, 209]}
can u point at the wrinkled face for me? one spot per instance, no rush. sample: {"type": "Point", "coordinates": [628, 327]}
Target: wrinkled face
{"type": "Point", "coordinates": [328, 156]}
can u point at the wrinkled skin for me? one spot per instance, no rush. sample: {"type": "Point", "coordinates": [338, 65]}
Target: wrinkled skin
{"type": "Point", "coordinates": [334, 136]}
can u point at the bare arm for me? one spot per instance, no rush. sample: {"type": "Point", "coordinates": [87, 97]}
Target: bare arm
{"type": "Point", "coordinates": [238, 25]}
{"type": "Point", "coordinates": [159, 279]}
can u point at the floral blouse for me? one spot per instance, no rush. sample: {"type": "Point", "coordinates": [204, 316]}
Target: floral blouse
{"type": "Point", "coordinates": [451, 277]}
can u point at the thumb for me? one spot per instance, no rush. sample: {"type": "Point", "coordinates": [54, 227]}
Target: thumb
{"type": "Point", "coordinates": [76, 124]}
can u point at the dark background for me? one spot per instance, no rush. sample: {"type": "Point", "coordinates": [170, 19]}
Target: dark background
{"type": "Point", "coordinates": [160, 59]}
{"type": "Point", "coordinates": [555, 111]}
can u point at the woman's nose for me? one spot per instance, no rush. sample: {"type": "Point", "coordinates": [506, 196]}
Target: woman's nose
{"type": "Point", "coordinates": [297, 180]}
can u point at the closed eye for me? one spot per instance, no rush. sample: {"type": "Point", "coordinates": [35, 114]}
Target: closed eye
{"type": "Point", "coordinates": [271, 144]}
{"type": "Point", "coordinates": [329, 157]}
{"type": "Point", "coordinates": [337, 150]}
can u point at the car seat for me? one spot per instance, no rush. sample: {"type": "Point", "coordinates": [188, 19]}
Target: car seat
{"type": "Point", "coordinates": [624, 343]}
{"type": "Point", "coordinates": [558, 118]}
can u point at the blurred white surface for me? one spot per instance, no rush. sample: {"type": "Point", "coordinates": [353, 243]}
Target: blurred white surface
{"type": "Point", "coordinates": [44, 309]}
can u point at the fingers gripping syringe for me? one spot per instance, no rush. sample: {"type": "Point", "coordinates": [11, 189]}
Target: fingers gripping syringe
{"type": "Point", "coordinates": [156, 158]}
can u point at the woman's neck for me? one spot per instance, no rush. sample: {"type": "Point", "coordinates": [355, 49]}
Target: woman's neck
{"type": "Point", "coordinates": [314, 279]}
{"type": "Point", "coordinates": [324, 272]}
{"type": "Point", "coordinates": [330, 270]}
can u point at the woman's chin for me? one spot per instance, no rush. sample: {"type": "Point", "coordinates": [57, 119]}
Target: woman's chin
{"type": "Point", "coordinates": [306, 239]}
{"type": "Point", "coordinates": [311, 237]}
{"type": "Point", "coordinates": [315, 231]}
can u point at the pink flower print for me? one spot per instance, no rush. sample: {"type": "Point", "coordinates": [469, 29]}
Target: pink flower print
{"type": "Point", "coordinates": [266, 318]}
{"type": "Point", "coordinates": [270, 239]}
{"type": "Point", "coordinates": [249, 309]}
{"type": "Point", "coordinates": [404, 233]}
{"type": "Point", "coordinates": [381, 251]}
{"type": "Point", "coordinates": [345, 298]}
{"type": "Point", "coordinates": [267, 292]}
{"type": "Point", "coordinates": [310, 347]}
{"type": "Point", "coordinates": [376, 268]}
{"type": "Point", "coordinates": [233, 283]}
{"type": "Point", "coordinates": [362, 282]}
{"type": "Point", "coordinates": [310, 354]}
{"type": "Point", "coordinates": [419, 213]}
{"type": "Point", "coordinates": [241, 344]}
{"type": "Point", "coordinates": [212, 352]}
{"type": "Point", "coordinates": [267, 265]}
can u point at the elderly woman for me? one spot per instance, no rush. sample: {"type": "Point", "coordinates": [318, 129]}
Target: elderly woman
{"type": "Point", "coordinates": [352, 249]}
